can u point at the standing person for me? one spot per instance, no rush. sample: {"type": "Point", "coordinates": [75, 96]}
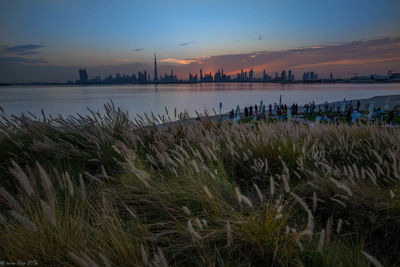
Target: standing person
{"type": "Point", "coordinates": [231, 114]}
{"type": "Point", "coordinates": [279, 112]}
{"type": "Point", "coordinates": [263, 110]}
{"type": "Point", "coordinates": [354, 116]}
{"type": "Point", "coordinates": [251, 111]}
{"type": "Point", "coordinates": [237, 112]}
{"type": "Point", "coordinates": [255, 109]}
{"type": "Point", "coordinates": [270, 109]}
{"type": "Point", "coordinates": [246, 111]}
{"type": "Point", "coordinates": [391, 116]}
{"type": "Point", "coordinates": [348, 115]}
{"type": "Point", "coordinates": [358, 105]}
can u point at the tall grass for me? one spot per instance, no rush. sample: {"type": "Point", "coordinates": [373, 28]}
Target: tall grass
{"type": "Point", "coordinates": [104, 190]}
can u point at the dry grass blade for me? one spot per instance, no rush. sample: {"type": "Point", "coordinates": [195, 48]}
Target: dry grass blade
{"type": "Point", "coordinates": [78, 260]}
{"type": "Point", "coordinates": [371, 259]}
{"type": "Point", "coordinates": [47, 185]}
{"type": "Point", "coordinates": [49, 212]}
{"type": "Point", "coordinates": [22, 178]}
{"type": "Point", "coordinates": [82, 187]}
{"type": "Point", "coordinates": [24, 221]}
{"type": "Point", "coordinates": [321, 240]}
{"type": "Point", "coordinates": [272, 186]}
{"type": "Point", "coordinates": [208, 193]}
{"type": "Point", "coordinates": [144, 256]}
{"type": "Point", "coordinates": [229, 237]}
{"type": "Point", "coordinates": [12, 203]}
{"type": "Point", "coordinates": [260, 196]}
{"type": "Point", "coordinates": [105, 261]}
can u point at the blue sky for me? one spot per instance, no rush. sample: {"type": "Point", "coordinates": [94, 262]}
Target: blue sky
{"type": "Point", "coordinates": [74, 33]}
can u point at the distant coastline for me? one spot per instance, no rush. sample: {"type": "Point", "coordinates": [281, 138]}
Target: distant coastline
{"type": "Point", "coordinates": [341, 81]}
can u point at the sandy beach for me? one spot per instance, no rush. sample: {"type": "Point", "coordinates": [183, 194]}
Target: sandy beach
{"type": "Point", "coordinates": [378, 101]}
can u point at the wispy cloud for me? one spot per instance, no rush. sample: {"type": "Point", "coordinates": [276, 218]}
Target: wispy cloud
{"type": "Point", "coordinates": [138, 49]}
{"type": "Point", "coordinates": [27, 53]}
{"type": "Point", "coordinates": [349, 62]}
{"type": "Point", "coordinates": [364, 56]}
{"type": "Point", "coordinates": [260, 38]}
{"type": "Point", "coordinates": [187, 43]}
{"type": "Point", "coordinates": [180, 61]}
{"type": "Point", "coordinates": [20, 60]}
{"type": "Point", "coordinates": [28, 49]}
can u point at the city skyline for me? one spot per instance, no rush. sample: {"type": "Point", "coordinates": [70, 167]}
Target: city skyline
{"type": "Point", "coordinates": [46, 41]}
{"type": "Point", "coordinates": [219, 76]}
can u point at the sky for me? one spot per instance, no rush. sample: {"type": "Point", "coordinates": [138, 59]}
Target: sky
{"type": "Point", "coordinates": [49, 40]}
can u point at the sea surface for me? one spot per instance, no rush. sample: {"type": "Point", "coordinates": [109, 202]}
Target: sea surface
{"type": "Point", "coordinates": [139, 99]}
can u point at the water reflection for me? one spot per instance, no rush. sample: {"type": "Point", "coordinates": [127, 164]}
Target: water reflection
{"type": "Point", "coordinates": [185, 97]}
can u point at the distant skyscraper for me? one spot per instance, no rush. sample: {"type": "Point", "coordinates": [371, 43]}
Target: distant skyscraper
{"type": "Point", "coordinates": [290, 75]}
{"type": "Point", "coordinates": [312, 76]}
{"type": "Point", "coordinates": [331, 76]}
{"type": "Point", "coordinates": [251, 73]}
{"type": "Point", "coordinates": [201, 75]}
{"type": "Point", "coordinates": [155, 68]}
{"type": "Point", "coordinates": [283, 75]}
{"type": "Point", "coordinates": [83, 76]}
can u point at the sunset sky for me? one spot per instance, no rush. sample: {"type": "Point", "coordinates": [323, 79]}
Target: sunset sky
{"type": "Point", "coordinates": [48, 40]}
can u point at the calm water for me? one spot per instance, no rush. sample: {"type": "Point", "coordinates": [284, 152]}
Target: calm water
{"type": "Point", "coordinates": [135, 99]}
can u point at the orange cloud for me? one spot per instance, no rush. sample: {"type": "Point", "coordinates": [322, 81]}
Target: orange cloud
{"type": "Point", "coordinates": [180, 61]}
{"type": "Point", "coordinates": [348, 62]}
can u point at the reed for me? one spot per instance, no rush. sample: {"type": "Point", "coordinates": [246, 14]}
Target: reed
{"type": "Point", "coordinates": [107, 190]}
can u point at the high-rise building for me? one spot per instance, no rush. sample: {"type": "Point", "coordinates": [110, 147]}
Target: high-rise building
{"type": "Point", "coordinates": [201, 75]}
{"type": "Point", "coordinates": [83, 76]}
{"type": "Point", "coordinates": [155, 68]}
{"type": "Point", "coordinates": [251, 74]}
{"type": "Point", "coordinates": [331, 76]}
{"type": "Point", "coordinates": [312, 76]}
{"type": "Point", "coordinates": [283, 75]}
{"type": "Point", "coordinates": [290, 78]}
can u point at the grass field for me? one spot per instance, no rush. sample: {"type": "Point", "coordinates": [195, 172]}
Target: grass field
{"type": "Point", "coordinates": [108, 191]}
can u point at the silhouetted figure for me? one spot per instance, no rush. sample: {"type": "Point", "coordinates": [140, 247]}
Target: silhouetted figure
{"type": "Point", "coordinates": [255, 109]}
{"type": "Point", "coordinates": [358, 105]}
{"type": "Point", "coordinates": [232, 114]}
{"type": "Point", "coordinates": [348, 115]}
{"type": "Point", "coordinates": [391, 116]}
{"type": "Point", "coordinates": [251, 111]}
{"type": "Point", "coordinates": [270, 109]}
{"type": "Point", "coordinates": [246, 112]}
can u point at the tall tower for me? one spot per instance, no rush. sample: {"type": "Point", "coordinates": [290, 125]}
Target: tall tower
{"type": "Point", "coordinates": [155, 68]}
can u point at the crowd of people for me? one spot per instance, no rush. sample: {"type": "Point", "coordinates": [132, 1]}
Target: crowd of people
{"type": "Point", "coordinates": [346, 111]}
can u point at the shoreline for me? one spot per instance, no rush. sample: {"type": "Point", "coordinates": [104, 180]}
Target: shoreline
{"type": "Point", "coordinates": [345, 81]}
{"type": "Point", "coordinates": [378, 101]}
